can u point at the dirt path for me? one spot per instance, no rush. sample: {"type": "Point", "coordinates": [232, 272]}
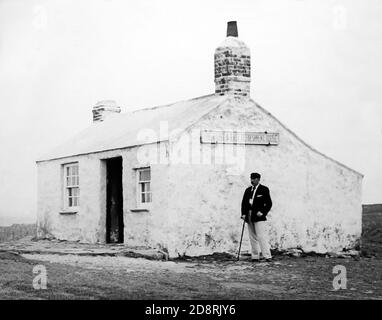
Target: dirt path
{"type": "Point", "coordinates": [85, 277]}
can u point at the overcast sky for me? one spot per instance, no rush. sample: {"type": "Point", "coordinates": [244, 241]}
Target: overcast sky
{"type": "Point", "coordinates": [316, 65]}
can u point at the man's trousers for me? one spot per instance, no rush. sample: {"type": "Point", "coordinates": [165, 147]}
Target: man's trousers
{"type": "Point", "coordinates": [258, 236]}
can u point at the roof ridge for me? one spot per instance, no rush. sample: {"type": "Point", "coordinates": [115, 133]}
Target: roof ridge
{"type": "Point", "coordinates": [202, 116]}
{"type": "Point", "coordinates": [170, 104]}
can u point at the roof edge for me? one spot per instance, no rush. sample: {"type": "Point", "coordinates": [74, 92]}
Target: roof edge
{"type": "Point", "coordinates": [99, 151]}
{"type": "Point", "coordinates": [304, 143]}
{"type": "Point", "coordinates": [42, 159]}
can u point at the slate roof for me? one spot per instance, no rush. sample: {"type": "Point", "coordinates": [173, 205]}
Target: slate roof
{"type": "Point", "coordinates": [123, 129]}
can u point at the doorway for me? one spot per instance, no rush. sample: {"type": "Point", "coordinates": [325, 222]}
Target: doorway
{"type": "Point", "coordinates": [114, 201]}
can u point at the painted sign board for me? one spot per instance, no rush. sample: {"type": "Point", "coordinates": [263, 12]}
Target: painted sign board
{"type": "Point", "coordinates": [239, 137]}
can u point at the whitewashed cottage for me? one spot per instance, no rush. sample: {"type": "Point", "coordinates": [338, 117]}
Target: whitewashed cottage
{"type": "Point", "coordinates": [173, 176]}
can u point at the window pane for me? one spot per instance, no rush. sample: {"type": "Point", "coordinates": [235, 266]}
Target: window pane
{"type": "Point", "coordinates": [145, 187]}
{"type": "Point", "coordinates": [144, 175]}
{"type": "Point", "coordinates": [72, 192]}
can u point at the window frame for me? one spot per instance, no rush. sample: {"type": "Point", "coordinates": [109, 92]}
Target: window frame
{"type": "Point", "coordinates": [66, 187]}
{"type": "Point", "coordinates": [140, 204]}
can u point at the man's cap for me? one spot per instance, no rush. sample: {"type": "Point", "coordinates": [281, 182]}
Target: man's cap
{"type": "Point", "coordinates": [255, 175]}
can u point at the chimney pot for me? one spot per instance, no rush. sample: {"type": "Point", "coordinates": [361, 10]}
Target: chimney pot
{"type": "Point", "coordinates": [232, 29]}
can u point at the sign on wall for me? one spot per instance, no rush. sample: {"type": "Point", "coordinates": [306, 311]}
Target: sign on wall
{"type": "Point", "coordinates": [239, 137]}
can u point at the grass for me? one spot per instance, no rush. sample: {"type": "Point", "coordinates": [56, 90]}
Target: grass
{"type": "Point", "coordinates": [372, 230]}
{"type": "Point", "coordinates": [308, 277]}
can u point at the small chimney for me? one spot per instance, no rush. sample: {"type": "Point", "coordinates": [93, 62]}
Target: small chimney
{"type": "Point", "coordinates": [233, 65]}
{"type": "Point", "coordinates": [103, 109]}
{"type": "Point", "coordinates": [232, 29]}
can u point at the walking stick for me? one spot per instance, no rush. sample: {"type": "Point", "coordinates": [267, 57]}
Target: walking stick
{"type": "Point", "coordinates": [241, 239]}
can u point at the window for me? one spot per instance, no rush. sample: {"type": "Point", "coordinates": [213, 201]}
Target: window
{"type": "Point", "coordinates": [144, 189]}
{"type": "Point", "coordinates": [72, 186]}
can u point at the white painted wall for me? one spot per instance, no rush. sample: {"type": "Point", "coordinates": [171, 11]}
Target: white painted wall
{"type": "Point", "coordinates": [316, 201]}
{"type": "Point", "coordinates": [84, 225]}
{"type": "Point", "coordinates": [196, 206]}
{"type": "Point", "coordinates": [89, 223]}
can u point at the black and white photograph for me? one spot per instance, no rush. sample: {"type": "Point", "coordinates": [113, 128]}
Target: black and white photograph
{"type": "Point", "coordinates": [190, 151]}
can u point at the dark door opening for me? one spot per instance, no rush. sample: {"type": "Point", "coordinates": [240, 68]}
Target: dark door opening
{"type": "Point", "coordinates": [114, 201]}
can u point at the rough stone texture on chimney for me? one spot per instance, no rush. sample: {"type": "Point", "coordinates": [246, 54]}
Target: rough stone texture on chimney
{"type": "Point", "coordinates": [103, 109]}
{"type": "Point", "coordinates": [232, 65]}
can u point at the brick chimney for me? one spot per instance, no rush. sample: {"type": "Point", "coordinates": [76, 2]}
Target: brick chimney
{"type": "Point", "coordinates": [233, 65]}
{"type": "Point", "coordinates": [103, 109]}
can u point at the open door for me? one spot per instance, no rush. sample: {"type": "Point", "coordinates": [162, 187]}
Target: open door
{"type": "Point", "coordinates": [114, 201]}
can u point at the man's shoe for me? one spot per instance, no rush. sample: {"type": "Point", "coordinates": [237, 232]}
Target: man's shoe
{"type": "Point", "coordinates": [255, 260]}
{"type": "Point", "coordinates": [268, 259]}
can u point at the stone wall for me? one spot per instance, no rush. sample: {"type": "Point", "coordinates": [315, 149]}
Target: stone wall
{"type": "Point", "coordinates": [232, 69]}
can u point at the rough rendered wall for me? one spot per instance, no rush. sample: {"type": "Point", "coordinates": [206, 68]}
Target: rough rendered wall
{"type": "Point", "coordinates": [317, 202]}
{"type": "Point", "coordinates": [82, 226]}
{"type": "Point", "coordinates": [144, 228]}
{"type": "Point", "coordinates": [89, 223]}
{"type": "Point", "coordinates": [196, 199]}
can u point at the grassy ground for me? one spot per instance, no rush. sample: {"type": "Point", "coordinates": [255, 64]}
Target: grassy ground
{"type": "Point", "coordinates": [100, 277]}
{"type": "Point", "coordinates": [17, 231]}
{"type": "Point", "coordinates": [372, 231]}
{"type": "Point", "coordinates": [73, 277]}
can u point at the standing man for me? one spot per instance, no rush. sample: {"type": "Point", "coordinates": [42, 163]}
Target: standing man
{"type": "Point", "coordinates": [255, 206]}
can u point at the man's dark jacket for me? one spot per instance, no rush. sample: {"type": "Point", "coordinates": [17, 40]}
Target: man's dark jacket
{"type": "Point", "coordinates": [262, 202]}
